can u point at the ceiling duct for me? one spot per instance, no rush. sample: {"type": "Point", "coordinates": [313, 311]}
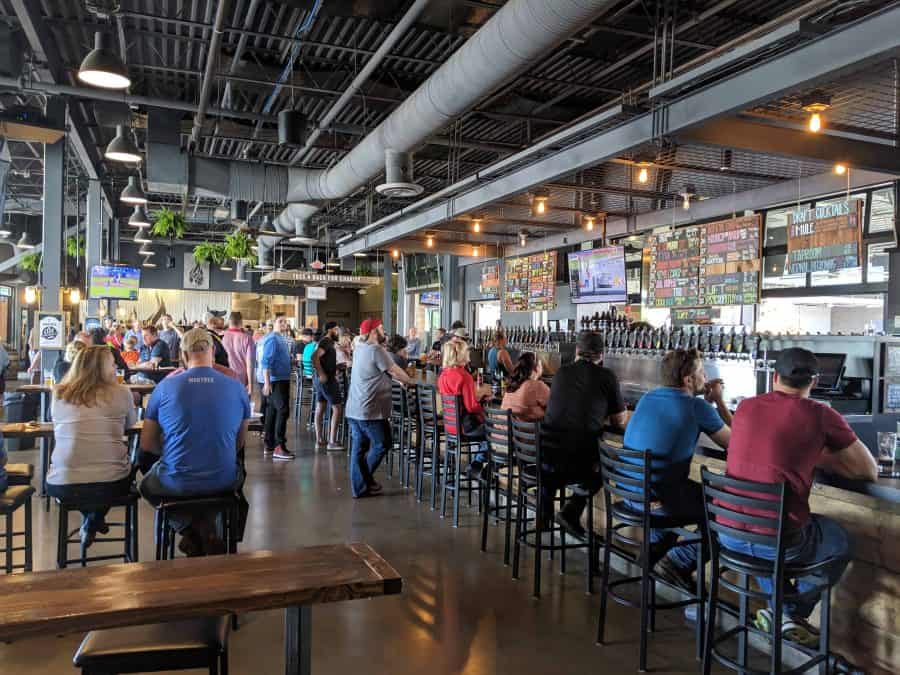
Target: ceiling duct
{"type": "Point", "coordinates": [517, 36]}
{"type": "Point", "coordinates": [5, 165]}
{"type": "Point", "coordinates": [398, 180]}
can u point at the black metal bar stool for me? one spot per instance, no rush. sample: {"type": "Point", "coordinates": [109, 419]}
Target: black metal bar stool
{"type": "Point", "coordinates": [303, 396]}
{"type": "Point", "coordinates": [501, 467]}
{"type": "Point", "coordinates": [129, 525]}
{"type": "Point", "coordinates": [11, 500]}
{"type": "Point", "coordinates": [19, 474]}
{"type": "Point", "coordinates": [398, 428]}
{"type": "Point", "coordinates": [178, 645]}
{"type": "Point", "coordinates": [626, 481]}
{"type": "Point", "coordinates": [224, 506]}
{"type": "Point", "coordinates": [412, 441]}
{"type": "Point", "coordinates": [457, 448]}
{"type": "Point", "coordinates": [431, 428]}
{"type": "Point", "coordinates": [530, 441]}
{"type": "Point", "coordinates": [732, 505]}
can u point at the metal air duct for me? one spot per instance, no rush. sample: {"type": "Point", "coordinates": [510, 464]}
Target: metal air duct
{"type": "Point", "coordinates": [398, 179]}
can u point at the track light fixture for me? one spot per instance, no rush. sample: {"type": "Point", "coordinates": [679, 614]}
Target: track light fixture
{"type": "Point", "coordinates": [102, 67]}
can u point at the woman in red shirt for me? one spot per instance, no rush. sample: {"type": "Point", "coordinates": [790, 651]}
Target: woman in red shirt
{"type": "Point", "coordinates": [526, 396]}
{"type": "Point", "coordinates": [455, 380]}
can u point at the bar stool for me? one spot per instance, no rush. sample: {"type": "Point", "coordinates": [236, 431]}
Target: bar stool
{"type": "Point", "coordinates": [501, 464]}
{"type": "Point", "coordinates": [626, 480]}
{"type": "Point", "coordinates": [178, 645]}
{"type": "Point", "coordinates": [398, 428]}
{"type": "Point", "coordinates": [727, 502]}
{"type": "Point", "coordinates": [431, 428]}
{"type": "Point", "coordinates": [129, 525]}
{"type": "Point", "coordinates": [19, 474]}
{"type": "Point", "coordinates": [530, 441]}
{"type": "Point", "coordinates": [13, 498]}
{"type": "Point", "coordinates": [223, 505]}
{"type": "Point", "coordinates": [304, 396]}
{"type": "Point", "coordinates": [458, 447]}
{"type": "Point", "coordinates": [413, 454]}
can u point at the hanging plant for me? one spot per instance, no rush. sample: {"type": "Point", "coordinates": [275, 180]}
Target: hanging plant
{"type": "Point", "coordinates": [75, 247]}
{"type": "Point", "coordinates": [210, 253]}
{"type": "Point", "coordinates": [168, 225]}
{"type": "Point", "coordinates": [237, 247]}
{"type": "Point", "coordinates": [31, 262]}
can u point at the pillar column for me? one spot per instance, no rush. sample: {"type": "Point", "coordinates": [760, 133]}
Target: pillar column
{"type": "Point", "coordinates": [93, 241]}
{"type": "Point", "coordinates": [892, 302]}
{"type": "Point", "coordinates": [53, 226]}
{"type": "Point", "coordinates": [388, 304]}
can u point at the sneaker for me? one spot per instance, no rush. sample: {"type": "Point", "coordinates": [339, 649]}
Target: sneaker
{"type": "Point", "coordinates": [571, 524]}
{"type": "Point", "coordinates": [335, 446]}
{"type": "Point", "coordinates": [268, 451]}
{"type": "Point", "coordinates": [798, 631]}
{"type": "Point", "coordinates": [321, 445]}
{"type": "Point", "coordinates": [87, 536]}
{"type": "Point", "coordinates": [283, 454]}
{"type": "Point", "coordinates": [375, 488]}
{"type": "Point", "coordinates": [473, 472]}
{"type": "Point", "coordinates": [673, 575]}
{"type": "Point", "coordinates": [190, 544]}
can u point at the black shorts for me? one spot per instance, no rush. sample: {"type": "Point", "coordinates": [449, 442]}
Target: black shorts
{"type": "Point", "coordinates": [329, 391]}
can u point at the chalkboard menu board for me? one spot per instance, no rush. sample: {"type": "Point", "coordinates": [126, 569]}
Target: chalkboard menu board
{"type": "Point", "coordinates": [825, 238]}
{"type": "Point", "coordinates": [694, 316]}
{"type": "Point", "coordinates": [530, 283]}
{"type": "Point", "coordinates": [490, 282]}
{"type": "Point", "coordinates": [675, 267]}
{"type": "Point", "coordinates": [729, 271]}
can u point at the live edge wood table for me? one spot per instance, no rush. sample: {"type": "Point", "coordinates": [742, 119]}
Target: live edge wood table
{"type": "Point", "coordinates": [78, 600]}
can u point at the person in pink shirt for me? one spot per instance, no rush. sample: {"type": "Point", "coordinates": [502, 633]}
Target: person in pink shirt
{"type": "Point", "coordinates": [240, 348]}
{"type": "Point", "coordinates": [526, 396]}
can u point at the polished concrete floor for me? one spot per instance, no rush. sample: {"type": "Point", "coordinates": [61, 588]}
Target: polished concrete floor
{"type": "Point", "coordinates": [460, 612]}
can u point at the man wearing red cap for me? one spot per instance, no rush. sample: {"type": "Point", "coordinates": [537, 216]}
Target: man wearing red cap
{"type": "Point", "coordinates": [369, 406]}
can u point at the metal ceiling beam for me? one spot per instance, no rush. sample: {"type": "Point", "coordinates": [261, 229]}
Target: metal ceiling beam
{"type": "Point", "coordinates": [44, 49]}
{"type": "Point", "coordinates": [777, 140]}
{"type": "Point", "coordinates": [863, 42]}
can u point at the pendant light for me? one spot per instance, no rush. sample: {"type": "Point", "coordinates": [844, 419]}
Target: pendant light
{"type": "Point", "coordinates": [102, 67]}
{"type": "Point", "coordinates": [122, 147]}
{"type": "Point", "coordinates": [133, 192]}
{"type": "Point", "coordinates": [139, 217]}
{"type": "Point", "coordinates": [75, 296]}
{"type": "Point", "coordinates": [142, 238]}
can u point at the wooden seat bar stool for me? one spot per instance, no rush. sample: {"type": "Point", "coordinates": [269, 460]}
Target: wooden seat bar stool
{"type": "Point", "coordinates": [11, 500]}
{"type": "Point", "coordinates": [19, 474]}
{"type": "Point", "coordinates": [129, 527]}
{"type": "Point", "coordinates": [224, 505]}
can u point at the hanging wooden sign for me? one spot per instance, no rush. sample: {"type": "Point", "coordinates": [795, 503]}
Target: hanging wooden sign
{"type": "Point", "coordinates": [825, 238]}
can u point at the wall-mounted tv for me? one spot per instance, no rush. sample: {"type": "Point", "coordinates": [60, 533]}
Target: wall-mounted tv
{"type": "Point", "coordinates": [115, 282]}
{"type": "Point", "coordinates": [430, 298]}
{"type": "Point", "coordinates": [598, 275]}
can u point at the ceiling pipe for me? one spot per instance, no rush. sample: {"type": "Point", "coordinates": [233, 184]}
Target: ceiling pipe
{"type": "Point", "coordinates": [374, 62]}
{"type": "Point", "coordinates": [209, 75]}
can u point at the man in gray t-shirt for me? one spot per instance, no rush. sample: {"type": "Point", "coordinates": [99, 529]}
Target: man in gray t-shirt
{"type": "Point", "coordinates": [369, 406]}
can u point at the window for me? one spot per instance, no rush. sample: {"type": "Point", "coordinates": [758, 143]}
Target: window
{"type": "Point", "coordinates": [878, 266]}
{"type": "Point", "coordinates": [850, 275]}
{"type": "Point", "coordinates": [776, 226]}
{"type": "Point", "coordinates": [882, 216]}
{"type": "Point", "coordinates": [774, 276]}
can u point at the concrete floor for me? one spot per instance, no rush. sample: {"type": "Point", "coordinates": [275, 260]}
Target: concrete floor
{"type": "Point", "coordinates": [460, 612]}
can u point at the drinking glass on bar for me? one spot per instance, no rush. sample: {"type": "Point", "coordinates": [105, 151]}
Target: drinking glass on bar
{"type": "Point", "coordinates": [887, 443]}
{"type": "Point", "coordinates": [120, 376]}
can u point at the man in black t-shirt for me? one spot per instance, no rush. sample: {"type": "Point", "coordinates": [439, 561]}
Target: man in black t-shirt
{"type": "Point", "coordinates": [583, 395]}
{"type": "Point", "coordinates": [328, 392]}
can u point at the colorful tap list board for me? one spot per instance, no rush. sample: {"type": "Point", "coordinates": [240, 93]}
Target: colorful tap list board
{"type": "Point", "coordinates": [530, 283]}
{"type": "Point", "coordinates": [824, 238]}
{"type": "Point", "coordinates": [675, 259]}
{"type": "Point", "coordinates": [729, 271]}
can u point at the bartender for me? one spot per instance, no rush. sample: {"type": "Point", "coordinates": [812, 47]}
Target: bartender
{"type": "Point", "coordinates": [498, 359]}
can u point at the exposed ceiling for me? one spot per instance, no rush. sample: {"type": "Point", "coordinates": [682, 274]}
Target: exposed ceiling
{"type": "Point", "coordinates": [619, 57]}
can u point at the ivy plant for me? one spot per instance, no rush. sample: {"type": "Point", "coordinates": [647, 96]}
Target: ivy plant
{"type": "Point", "coordinates": [168, 225]}
{"type": "Point", "coordinates": [237, 247]}
{"type": "Point", "coordinates": [31, 262]}
{"type": "Point", "coordinates": [210, 253]}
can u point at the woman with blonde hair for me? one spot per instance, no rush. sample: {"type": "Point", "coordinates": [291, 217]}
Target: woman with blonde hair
{"type": "Point", "coordinates": [455, 380]}
{"type": "Point", "coordinates": [91, 411]}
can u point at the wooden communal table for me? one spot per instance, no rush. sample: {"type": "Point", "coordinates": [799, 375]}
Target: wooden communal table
{"type": "Point", "coordinates": [78, 600]}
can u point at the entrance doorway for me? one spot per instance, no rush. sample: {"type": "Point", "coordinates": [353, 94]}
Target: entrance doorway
{"type": "Point", "coordinates": [485, 314]}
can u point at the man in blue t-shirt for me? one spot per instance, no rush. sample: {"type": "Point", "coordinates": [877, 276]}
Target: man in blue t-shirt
{"type": "Point", "coordinates": [198, 420]}
{"type": "Point", "coordinates": [668, 422]}
{"type": "Point", "coordinates": [274, 375]}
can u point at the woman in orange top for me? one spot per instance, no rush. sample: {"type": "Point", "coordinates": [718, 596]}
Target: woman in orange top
{"type": "Point", "coordinates": [130, 354]}
{"type": "Point", "coordinates": [526, 396]}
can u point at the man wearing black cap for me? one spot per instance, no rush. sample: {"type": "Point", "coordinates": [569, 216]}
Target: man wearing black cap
{"type": "Point", "coordinates": [785, 436]}
{"type": "Point", "coordinates": [583, 395]}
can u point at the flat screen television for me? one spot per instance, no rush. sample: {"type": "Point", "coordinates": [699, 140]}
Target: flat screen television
{"type": "Point", "coordinates": [598, 275]}
{"type": "Point", "coordinates": [115, 282]}
{"type": "Point", "coordinates": [430, 298]}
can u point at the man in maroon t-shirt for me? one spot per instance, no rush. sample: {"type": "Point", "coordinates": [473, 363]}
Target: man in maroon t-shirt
{"type": "Point", "coordinates": [785, 436]}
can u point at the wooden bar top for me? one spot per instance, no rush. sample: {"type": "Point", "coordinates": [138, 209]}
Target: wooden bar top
{"type": "Point", "coordinates": [44, 389]}
{"type": "Point", "coordinates": [27, 430]}
{"type": "Point", "coordinates": [107, 596]}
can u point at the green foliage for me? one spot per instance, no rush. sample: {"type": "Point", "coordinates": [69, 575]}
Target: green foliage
{"type": "Point", "coordinates": [237, 247]}
{"type": "Point", "coordinates": [364, 270]}
{"type": "Point", "coordinates": [75, 246]}
{"type": "Point", "coordinates": [210, 253]}
{"type": "Point", "coordinates": [31, 262]}
{"type": "Point", "coordinates": [168, 225]}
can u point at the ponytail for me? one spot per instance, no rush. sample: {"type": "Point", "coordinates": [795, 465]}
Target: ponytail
{"type": "Point", "coordinates": [525, 366]}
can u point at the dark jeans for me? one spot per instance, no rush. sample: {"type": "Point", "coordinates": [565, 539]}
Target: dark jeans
{"type": "Point", "coordinates": [821, 539]}
{"type": "Point", "coordinates": [370, 440]}
{"type": "Point", "coordinates": [277, 409]}
{"type": "Point", "coordinates": [94, 494]}
{"type": "Point", "coordinates": [580, 471]}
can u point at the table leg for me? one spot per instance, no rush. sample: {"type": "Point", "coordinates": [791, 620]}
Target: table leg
{"type": "Point", "coordinates": [297, 640]}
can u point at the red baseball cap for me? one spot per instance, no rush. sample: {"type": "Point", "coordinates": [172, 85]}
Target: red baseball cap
{"type": "Point", "coordinates": [368, 326]}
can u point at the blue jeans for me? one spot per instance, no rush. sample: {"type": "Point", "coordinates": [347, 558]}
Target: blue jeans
{"type": "Point", "coordinates": [369, 443]}
{"type": "Point", "coordinates": [684, 501]}
{"type": "Point", "coordinates": [820, 539]}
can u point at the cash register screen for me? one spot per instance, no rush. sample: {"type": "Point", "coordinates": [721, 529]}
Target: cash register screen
{"type": "Point", "coordinates": [830, 368]}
